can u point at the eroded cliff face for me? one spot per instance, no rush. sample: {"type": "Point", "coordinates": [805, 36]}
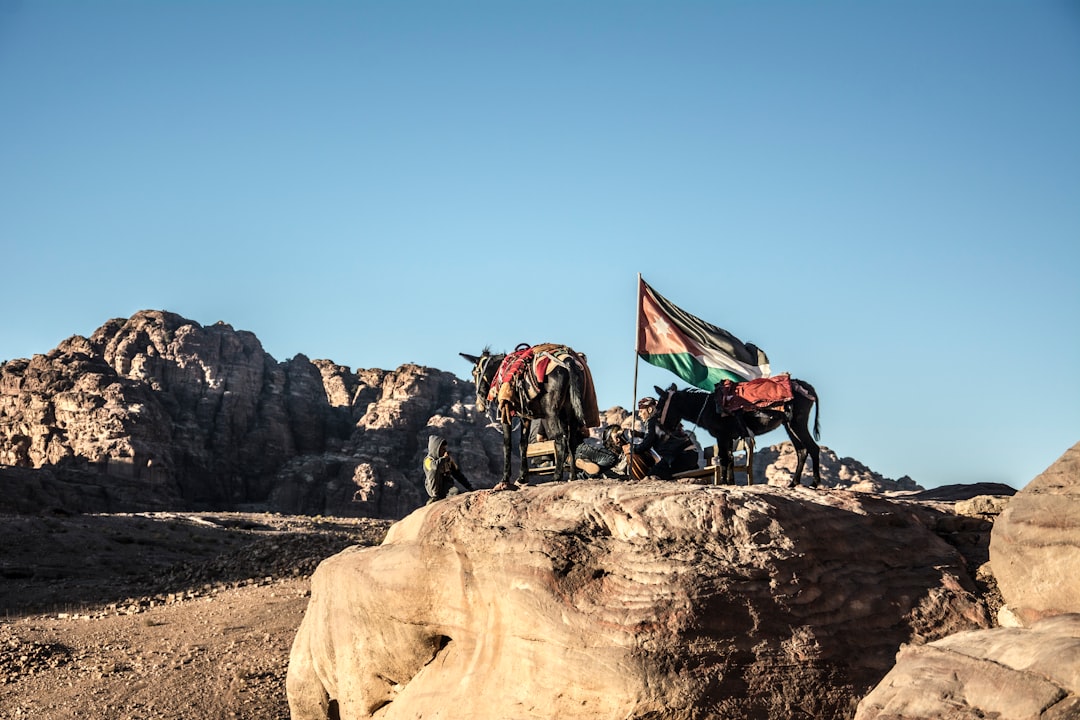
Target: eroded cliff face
{"type": "Point", "coordinates": [185, 415]}
{"type": "Point", "coordinates": [159, 412]}
{"type": "Point", "coordinates": [601, 599]}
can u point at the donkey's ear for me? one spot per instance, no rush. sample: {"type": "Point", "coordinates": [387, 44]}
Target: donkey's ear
{"type": "Point", "coordinates": [471, 358]}
{"type": "Point", "coordinates": [672, 388]}
{"type": "Point", "coordinates": [657, 389]}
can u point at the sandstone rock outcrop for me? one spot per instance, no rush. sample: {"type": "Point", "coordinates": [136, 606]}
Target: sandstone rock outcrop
{"type": "Point", "coordinates": [1031, 670]}
{"type": "Point", "coordinates": [602, 599]}
{"type": "Point", "coordinates": [1035, 546]}
{"type": "Point", "coordinates": [158, 411]}
{"type": "Point", "coordinates": [776, 464]}
{"type": "Point", "coordinates": [1005, 673]}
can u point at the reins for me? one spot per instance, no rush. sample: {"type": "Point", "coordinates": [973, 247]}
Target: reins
{"type": "Point", "coordinates": [701, 412]}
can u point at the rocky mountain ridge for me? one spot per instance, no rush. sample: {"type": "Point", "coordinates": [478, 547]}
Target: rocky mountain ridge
{"type": "Point", "coordinates": [159, 412]}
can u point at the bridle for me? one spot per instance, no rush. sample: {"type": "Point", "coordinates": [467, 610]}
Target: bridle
{"type": "Point", "coordinates": [479, 373]}
{"type": "Point", "coordinates": [665, 405]}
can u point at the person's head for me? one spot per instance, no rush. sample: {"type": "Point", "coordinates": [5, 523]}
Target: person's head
{"type": "Point", "coordinates": [436, 445]}
{"type": "Point", "coordinates": [646, 406]}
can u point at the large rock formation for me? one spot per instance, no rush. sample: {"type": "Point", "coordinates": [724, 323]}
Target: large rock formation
{"type": "Point", "coordinates": [157, 411]}
{"type": "Point", "coordinates": [1004, 673]}
{"type": "Point", "coordinates": [1035, 546]}
{"type": "Point", "coordinates": [603, 599]}
{"type": "Point", "coordinates": [1030, 670]}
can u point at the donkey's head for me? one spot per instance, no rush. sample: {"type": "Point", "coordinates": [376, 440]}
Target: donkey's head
{"type": "Point", "coordinates": [667, 415]}
{"type": "Point", "coordinates": [483, 372]}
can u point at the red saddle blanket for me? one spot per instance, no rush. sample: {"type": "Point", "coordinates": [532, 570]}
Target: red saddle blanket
{"type": "Point", "coordinates": [763, 393]}
{"type": "Point", "coordinates": [522, 373]}
{"type": "Point", "coordinates": [512, 366]}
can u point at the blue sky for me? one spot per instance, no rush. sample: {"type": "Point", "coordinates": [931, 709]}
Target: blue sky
{"type": "Point", "coordinates": [884, 196]}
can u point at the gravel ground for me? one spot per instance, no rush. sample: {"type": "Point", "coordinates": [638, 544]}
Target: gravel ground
{"type": "Point", "coordinates": [155, 616]}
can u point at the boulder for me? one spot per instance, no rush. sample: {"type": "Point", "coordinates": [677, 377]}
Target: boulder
{"type": "Point", "coordinates": [1035, 544]}
{"type": "Point", "coordinates": [1006, 673]}
{"type": "Point", "coordinates": [600, 599]}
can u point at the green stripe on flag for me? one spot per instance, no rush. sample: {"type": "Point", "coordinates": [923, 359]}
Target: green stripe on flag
{"type": "Point", "coordinates": [691, 369]}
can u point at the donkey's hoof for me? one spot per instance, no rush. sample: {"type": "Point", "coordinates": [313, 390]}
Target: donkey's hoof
{"type": "Point", "coordinates": [504, 486]}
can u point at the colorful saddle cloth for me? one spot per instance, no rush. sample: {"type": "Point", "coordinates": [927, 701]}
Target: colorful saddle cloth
{"type": "Point", "coordinates": [760, 394]}
{"type": "Point", "coordinates": [521, 376]}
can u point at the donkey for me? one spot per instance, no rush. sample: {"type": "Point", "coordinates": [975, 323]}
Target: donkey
{"type": "Point", "coordinates": [700, 408]}
{"type": "Point", "coordinates": [559, 406]}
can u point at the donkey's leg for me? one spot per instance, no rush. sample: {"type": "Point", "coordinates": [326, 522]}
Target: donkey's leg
{"type": "Point", "coordinates": [799, 432]}
{"type": "Point", "coordinates": [523, 447]}
{"type": "Point", "coordinates": [727, 462]}
{"type": "Point", "coordinates": [800, 462]}
{"type": "Point", "coordinates": [812, 449]}
{"type": "Point", "coordinates": [570, 437]}
{"type": "Point", "coordinates": [562, 443]}
{"type": "Point", "coordinates": [508, 439]}
{"type": "Point", "coordinates": [800, 454]}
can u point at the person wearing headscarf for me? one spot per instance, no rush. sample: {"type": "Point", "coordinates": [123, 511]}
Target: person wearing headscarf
{"type": "Point", "coordinates": [440, 471]}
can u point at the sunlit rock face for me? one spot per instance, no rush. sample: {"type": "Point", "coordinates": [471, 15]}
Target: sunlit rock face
{"type": "Point", "coordinates": [1029, 667]}
{"type": "Point", "coordinates": [999, 673]}
{"type": "Point", "coordinates": [1035, 545]}
{"type": "Point", "coordinates": [159, 411]}
{"type": "Point", "coordinates": [627, 600]}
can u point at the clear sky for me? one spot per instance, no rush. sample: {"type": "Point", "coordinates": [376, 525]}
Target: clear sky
{"type": "Point", "coordinates": [884, 196]}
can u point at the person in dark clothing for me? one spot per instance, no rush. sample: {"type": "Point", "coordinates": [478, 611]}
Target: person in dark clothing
{"type": "Point", "coordinates": [675, 449]}
{"type": "Point", "coordinates": [440, 471]}
{"type": "Point", "coordinates": [600, 457]}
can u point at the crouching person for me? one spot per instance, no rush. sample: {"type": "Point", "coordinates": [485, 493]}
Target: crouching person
{"type": "Point", "coordinates": [440, 471]}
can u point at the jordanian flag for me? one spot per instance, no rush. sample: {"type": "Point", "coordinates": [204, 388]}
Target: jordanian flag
{"type": "Point", "coordinates": [698, 352]}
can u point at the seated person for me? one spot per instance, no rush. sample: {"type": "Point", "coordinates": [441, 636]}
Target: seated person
{"type": "Point", "coordinates": [600, 457]}
{"type": "Point", "coordinates": [661, 452]}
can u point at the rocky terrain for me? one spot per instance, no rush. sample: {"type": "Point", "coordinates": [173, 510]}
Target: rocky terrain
{"type": "Point", "coordinates": [170, 616]}
{"type": "Point", "coordinates": [1028, 666]}
{"type": "Point", "coordinates": [155, 616]}
{"type": "Point", "coordinates": [601, 599]}
{"type": "Point", "coordinates": [157, 412]}
{"type": "Point", "coordinates": [170, 489]}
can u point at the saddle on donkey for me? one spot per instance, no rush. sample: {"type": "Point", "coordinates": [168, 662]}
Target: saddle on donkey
{"type": "Point", "coordinates": [520, 379]}
{"type": "Point", "coordinates": [762, 394]}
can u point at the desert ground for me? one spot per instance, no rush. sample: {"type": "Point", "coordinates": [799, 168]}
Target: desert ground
{"type": "Point", "coordinates": [156, 616]}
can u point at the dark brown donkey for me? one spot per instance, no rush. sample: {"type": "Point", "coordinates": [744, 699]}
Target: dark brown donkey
{"type": "Point", "coordinates": [559, 405]}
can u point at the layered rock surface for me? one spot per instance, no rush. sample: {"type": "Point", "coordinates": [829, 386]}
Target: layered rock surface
{"type": "Point", "coordinates": [1005, 673]}
{"type": "Point", "coordinates": [627, 600]}
{"type": "Point", "coordinates": [1031, 669]}
{"type": "Point", "coordinates": [1035, 546]}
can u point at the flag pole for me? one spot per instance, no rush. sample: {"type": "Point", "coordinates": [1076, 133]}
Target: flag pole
{"type": "Point", "coordinates": [637, 341]}
{"type": "Point", "coordinates": [637, 361]}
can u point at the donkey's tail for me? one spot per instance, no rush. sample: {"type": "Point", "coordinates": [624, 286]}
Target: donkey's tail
{"type": "Point", "coordinates": [817, 409]}
{"type": "Point", "coordinates": [811, 394]}
{"type": "Point", "coordinates": [577, 402]}
{"type": "Point", "coordinates": [817, 425]}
